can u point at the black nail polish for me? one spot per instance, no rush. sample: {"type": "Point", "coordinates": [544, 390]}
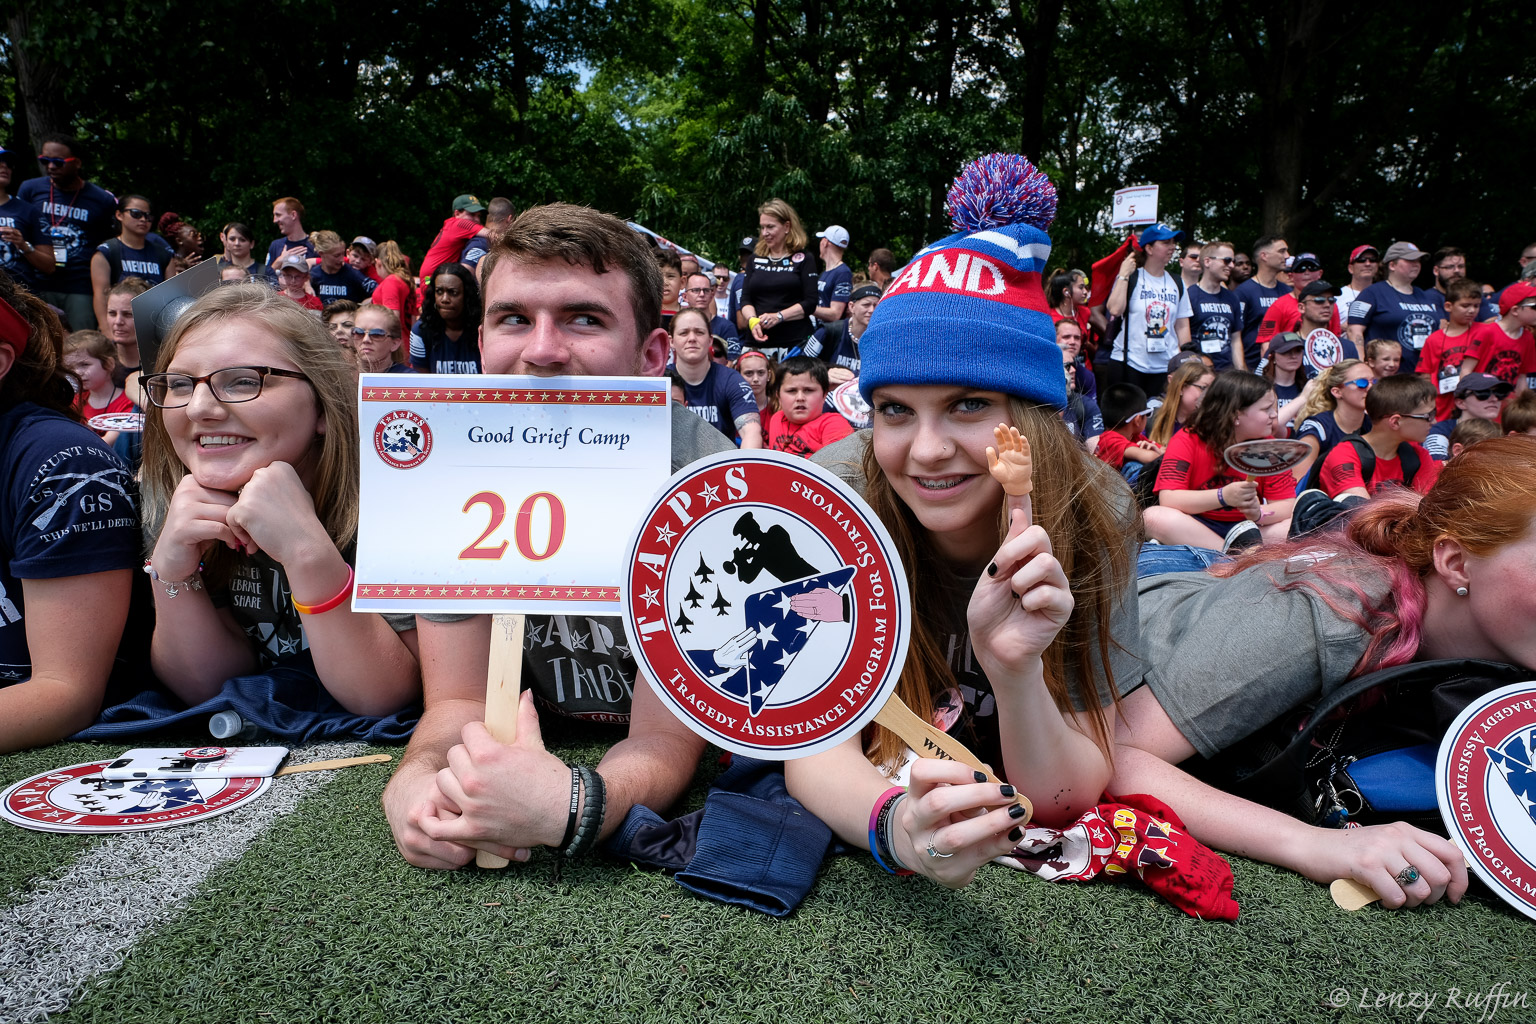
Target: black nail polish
{"type": "Point", "coordinates": [1016, 811]}
{"type": "Point", "coordinates": [992, 569]}
{"type": "Point", "coordinates": [980, 776]}
{"type": "Point", "coordinates": [1007, 790]}
{"type": "Point", "coordinates": [1016, 834]}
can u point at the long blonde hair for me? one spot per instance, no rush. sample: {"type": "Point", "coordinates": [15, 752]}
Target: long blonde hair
{"type": "Point", "coordinates": [1322, 399]}
{"type": "Point", "coordinates": [1167, 416]}
{"type": "Point", "coordinates": [779, 210]}
{"type": "Point", "coordinates": [1088, 532]}
{"type": "Point", "coordinates": [316, 353]}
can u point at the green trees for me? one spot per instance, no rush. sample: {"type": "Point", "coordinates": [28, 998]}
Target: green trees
{"type": "Point", "coordinates": [1334, 125]}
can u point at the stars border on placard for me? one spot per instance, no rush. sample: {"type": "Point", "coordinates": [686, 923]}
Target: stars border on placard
{"type": "Point", "coordinates": [516, 396]}
{"type": "Point", "coordinates": [485, 592]}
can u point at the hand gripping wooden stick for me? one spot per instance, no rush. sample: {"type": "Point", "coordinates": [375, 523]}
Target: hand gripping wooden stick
{"type": "Point", "coordinates": [928, 741]}
{"type": "Point", "coordinates": [503, 686]}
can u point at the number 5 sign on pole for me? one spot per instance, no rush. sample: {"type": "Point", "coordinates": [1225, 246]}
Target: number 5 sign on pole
{"type": "Point", "coordinates": [1135, 205]}
{"type": "Point", "coordinates": [504, 495]}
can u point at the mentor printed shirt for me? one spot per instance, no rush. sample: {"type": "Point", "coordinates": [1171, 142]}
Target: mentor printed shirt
{"type": "Point", "coordinates": [722, 399]}
{"type": "Point", "coordinates": [77, 221]}
{"type": "Point", "coordinates": [148, 263]}
{"type": "Point", "coordinates": [346, 283]}
{"type": "Point", "coordinates": [1409, 319]}
{"type": "Point", "coordinates": [1215, 322]}
{"type": "Point", "coordinates": [67, 508]}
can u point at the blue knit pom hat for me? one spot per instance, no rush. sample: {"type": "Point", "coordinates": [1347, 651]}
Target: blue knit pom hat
{"type": "Point", "coordinates": [969, 310]}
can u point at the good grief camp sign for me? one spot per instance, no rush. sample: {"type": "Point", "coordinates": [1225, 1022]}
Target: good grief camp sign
{"type": "Point", "coordinates": [503, 494]}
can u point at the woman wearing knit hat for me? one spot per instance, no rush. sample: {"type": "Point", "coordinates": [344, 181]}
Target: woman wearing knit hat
{"type": "Point", "coordinates": [1023, 635]}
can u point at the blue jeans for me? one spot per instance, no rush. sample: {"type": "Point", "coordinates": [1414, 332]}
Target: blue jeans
{"type": "Point", "coordinates": [1156, 559]}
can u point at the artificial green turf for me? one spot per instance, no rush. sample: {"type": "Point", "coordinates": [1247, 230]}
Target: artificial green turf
{"type": "Point", "coordinates": [30, 856]}
{"type": "Point", "coordinates": [322, 921]}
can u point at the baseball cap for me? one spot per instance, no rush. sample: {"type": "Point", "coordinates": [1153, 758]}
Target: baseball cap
{"type": "Point", "coordinates": [864, 291]}
{"type": "Point", "coordinates": [1481, 382]}
{"type": "Point", "coordinates": [1179, 359]}
{"type": "Point", "coordinates": [1318, 287]}
{"type": "Point", "coordinates": [1361, 250]}
{"type": "Point", "coordinates": [1121, 403]}
{"type": "Point", "coordinates": [1302, 263]}
{"type": "Point", "coordinates": [296, 260]}
{"type": "Point", "coordinates": [1403, 251]}
{"type": "Point", "coordinates": [1158, 232]}
{"type": "Point", "coordinates": [1290, 341]}
{"type": "Point", "coordinates": [1517, 294]}
{"type": "Point", "coordinates": [363, 241]}
{"type": "Point", "coordinates": [836, 234]}
{"type": "Point", "coordinates": [467, 204]}
{"type": "Point", "coordinates": [10, 156]}
{"type": "Point", "coordinates": [748, 244]}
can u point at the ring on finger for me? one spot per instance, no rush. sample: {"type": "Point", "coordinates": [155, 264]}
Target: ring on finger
{"type": "Point", "coordinates": [1408, 875]}
{"type": "Point", "coordinates": [933, 851]}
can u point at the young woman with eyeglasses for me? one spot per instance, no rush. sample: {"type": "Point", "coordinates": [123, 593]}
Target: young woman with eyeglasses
{"type": "Point", "coordinates": [1186, 387]}
{"type": "Point", "coordinates": [131, 254]}
{"type": "Point", "coordinates": [251, 505]}
{"type": "Point", "coordinates": [1336, 408]}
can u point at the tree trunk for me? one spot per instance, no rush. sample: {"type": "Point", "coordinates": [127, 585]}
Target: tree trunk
{"type": "Point", "coordinates": [1039, 43]}
{"type": "Point", "coordinates": [41, 109]}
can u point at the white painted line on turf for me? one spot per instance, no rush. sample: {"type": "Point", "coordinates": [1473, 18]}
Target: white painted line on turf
{"type": "Point", "coordinates": [83, 923]}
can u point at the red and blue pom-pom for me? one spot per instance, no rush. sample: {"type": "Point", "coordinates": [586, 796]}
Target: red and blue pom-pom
{"type": "Point", "coordinates": [1001, 189]}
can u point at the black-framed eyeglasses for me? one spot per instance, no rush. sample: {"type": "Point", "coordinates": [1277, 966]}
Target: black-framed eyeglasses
{"type": "Point", "coordinates": [699, 291]}
{"type": "Point", "coordinates": [137, 214]}
{"type": "Point", "coordinates": [376, 333]}
{"type": "Point", "coordinates": [1426, 417]}
{"type": "Point", "coordinates": [230, 385]}
{"type": "Point", "coordinates": [1500, 393]}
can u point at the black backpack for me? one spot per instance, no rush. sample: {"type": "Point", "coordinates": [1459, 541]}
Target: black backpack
{"type": "Point", "coordinates": [1311, 762]}
{"type": "Point", "coordinates": [1406, 457]}
{"type": "Point", "coordinates": [1117, 326]}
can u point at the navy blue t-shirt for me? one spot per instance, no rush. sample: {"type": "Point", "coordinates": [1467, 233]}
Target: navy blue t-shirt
{"type": "Point", "coordinates": [738, 281]}
{"type": "Point", "coordinates": [1408, 319]}
{"type": "Point", "coordinates": [77, 222]}
{"type": "Point", "coordinates": [279, 244]}
{"type": "Point", "coordinates": [1256, 300]}
{"type": "Point", "coordinates": [257, 273]}
{"type": "Point", "coordinates": [1214, 321]}
{"type": "Point", "coordinates": [834, 345]}
{"type": "Point", "coordinates": [475, 249]}
{"type": "Point", "coordinates": [28, 219]}
{"type": "Point", "coordinates": [122, 261]}
{"type": "Point", "coordinates": [435, 352]}
{"type": "Point", "coordinates": [834, 285]}
{"type": "Point", "coordinates": [1326, 430]}
{"type": "Point", "coordinates": [346, 283]}
{"type": "Point", "coordinates": [721, 327]}
{"type": "Point", "coordinates": [67, 508]}
{"type": "Point", "coordinates": [721, 399]}
{"type": "Point", "coordinates": [1082, 417]}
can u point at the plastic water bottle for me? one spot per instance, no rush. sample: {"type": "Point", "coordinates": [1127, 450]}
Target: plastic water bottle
{"type": "Point", "coordinates": [228, 725]}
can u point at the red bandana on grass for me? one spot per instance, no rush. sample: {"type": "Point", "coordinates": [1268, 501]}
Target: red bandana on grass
{"type": "Point", "coordinates": [1133, 835]}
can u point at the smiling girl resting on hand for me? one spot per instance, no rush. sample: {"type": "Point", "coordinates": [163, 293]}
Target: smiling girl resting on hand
{"type": "Point", "coordinates": [251, 507]}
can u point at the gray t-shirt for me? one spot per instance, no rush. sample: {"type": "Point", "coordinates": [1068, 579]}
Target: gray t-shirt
{"type": "Point", "coordinates": [581, 666]}
{"type": "Point", "coordinates": [976, 723]}
{"type": "Point", "coordinates": [1228, 656]}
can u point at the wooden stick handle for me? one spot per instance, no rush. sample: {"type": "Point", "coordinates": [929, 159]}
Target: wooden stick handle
{"type": "Point", "coordinates": [335, 762]}
{"type": "Point", "coordinates": [1352, 895]}
{"type": "Point", "coordinates": [928, 741]}
{"type": "Point", "coordinates": [503, 686]}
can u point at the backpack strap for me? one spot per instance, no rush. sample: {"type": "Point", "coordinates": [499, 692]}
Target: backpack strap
{"type": "Point", "coordinates": [1124, 334]}
{"type": "Point", "coordinates": [1409, 460]}
{"type": "Point", "coordinates": [1362, 448]}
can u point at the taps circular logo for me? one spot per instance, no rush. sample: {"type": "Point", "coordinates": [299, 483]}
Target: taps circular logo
{"type": "Point", "coordinates": [402, 439]}
{"type": "Point", "coordinates": [1323, 349]}
{"type": "Point", "coordinates": [79, 799]}
{"type": "Point", "coordinates": [1485, 781]}
{"type": "Point", "coordinates": [766, 604]}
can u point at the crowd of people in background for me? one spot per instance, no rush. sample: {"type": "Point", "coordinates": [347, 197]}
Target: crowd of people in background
{"type": "Point", "coordinates": [1169, 354]}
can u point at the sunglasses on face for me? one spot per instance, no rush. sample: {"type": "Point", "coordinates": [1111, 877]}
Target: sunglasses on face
{"type": "Point", "coordinates": [376, 333]}
{"type": "Point", "coordinates": [54, 161]}
{"type": "Point", "coordinates": [1426, 417]}
{"type": "Point", "coordinates": [1367, 259]}
{"type": "Point", "coordinates": [137, 214]}
{"type": "Point", "coordinates": [1500, 393]}
{"type": "Point", "coordinates": [1364, 384]}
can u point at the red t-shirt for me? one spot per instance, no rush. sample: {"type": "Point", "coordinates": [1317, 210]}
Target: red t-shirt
{"type": "Point", "coordinates": [120, 402]}
{"type": "Point", "coordinates": [1499, 354]}
{"type": "Point", "coordinates": [1341, 471]}
{"type": "Point", "coordinates": [1440, 361]}
{"type": "Point", "coordinates": [1190, 465]}
{"type": "Point", "coordinates": [809, 437]}
{"type": "Point", "coordinates": [308, 302]}
{"type": "Point", "coordinates": [1112, 446]}
{"type": "Point", "coordinates": [448, 246]}
{"type": "Point", "coordinates": [1285, 313]}
{"type": "Point", "coordinates": [393, 293]}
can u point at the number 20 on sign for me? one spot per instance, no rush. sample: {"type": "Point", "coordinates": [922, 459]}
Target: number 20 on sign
{"type": "Point", "coordinates": [503, 494]}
